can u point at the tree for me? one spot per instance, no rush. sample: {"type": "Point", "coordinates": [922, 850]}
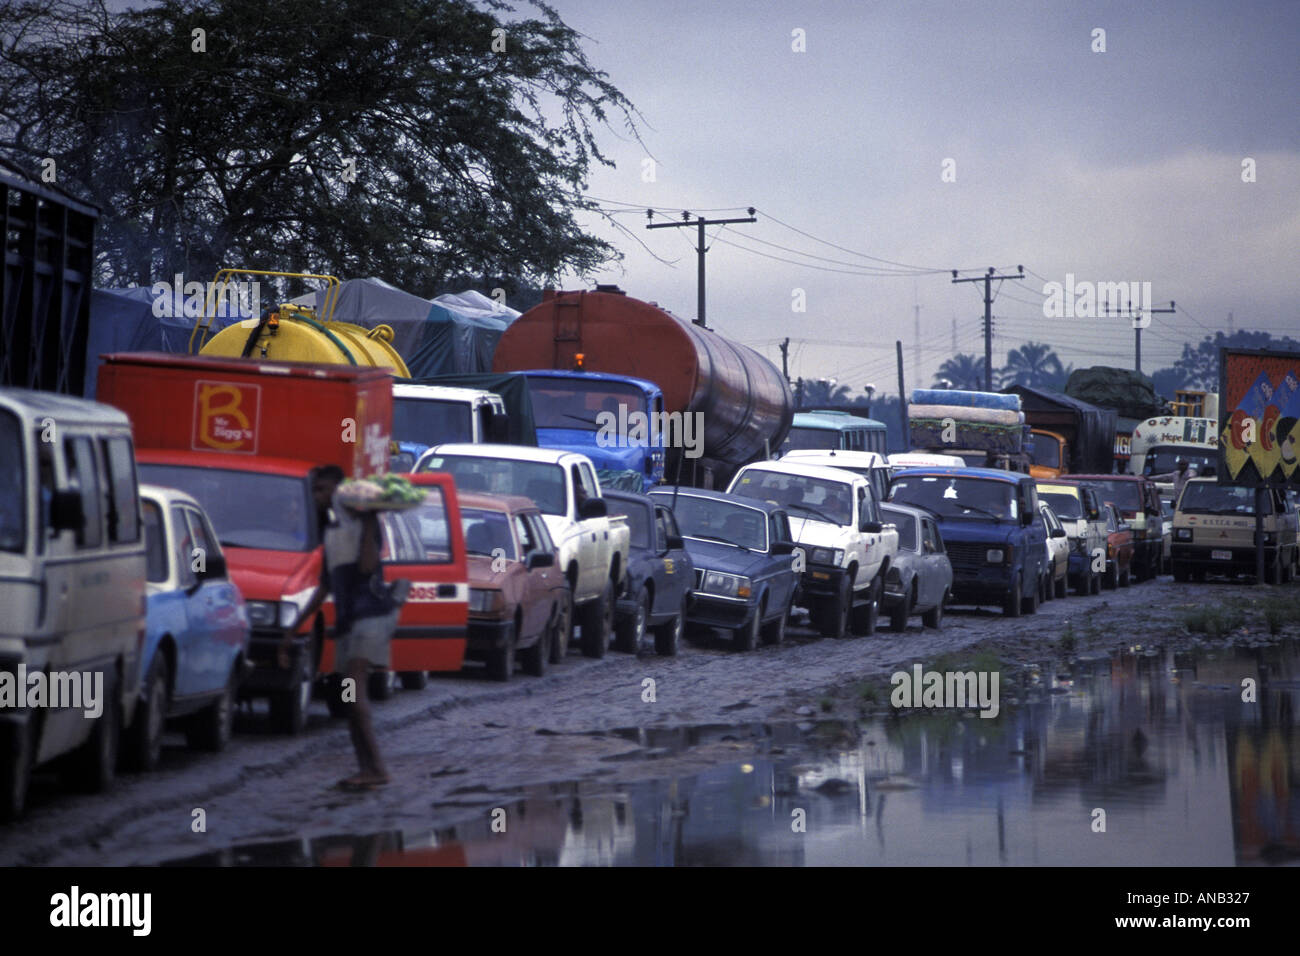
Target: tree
{"type": "Point", "coordinates": [962, 371]}
{"type": "Point", "coordinates": [1198, 368]}
{"type": "Point", "coordinates": [1034, 364]}
{"type": "Point", "coordinates": [410, 139]}
{"type": "Point", "coordinates": [824, 392]}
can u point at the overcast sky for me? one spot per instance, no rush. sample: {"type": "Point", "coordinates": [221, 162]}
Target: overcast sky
{"type": "Point", "coordinates": [1117, 166]}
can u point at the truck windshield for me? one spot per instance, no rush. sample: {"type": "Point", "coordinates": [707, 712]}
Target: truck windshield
{"type": "Point", "coordinates": [977, 499]}
{"type": "Point", "coordinates": [707, 519]}
{"type": "Point", "coordinates": [248, 509]}
{"type": "Point", "coordinates": [13, 501]}
{"type": "Point", "coordinates": [431, 422]}
{"type": "Point", "coordinates": [1163, 460]}
{"type": "Point", "coordinates": [1047, 451]}
{"type": "Point", "coordinates": [1206, 497]}
{"type": "Point", "coordinates": [806, 497]}
{"type": "Point", "coordinates": [811, 438]}
{"type": "Point", "coordinates": [538, 480]}
{"type": "Point", "coordinates": [1065, 505]}
{"type": "Point", "coordinates": [1125, 494]}
{"type": "Point", "coordinates": [575, 402]}
{"type": "Point", "coordinates": [488, 532]}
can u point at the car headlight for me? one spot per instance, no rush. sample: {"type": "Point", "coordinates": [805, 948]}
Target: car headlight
{"type": "Point", "coordinates": [726, 585]}
{"type": "Point", "coordinates": [996, 555]}
{"type": "Point", "coordinates": [831, 556]}
{"type": "Point", "coordinates": [1182, 534]}
{"type": "Point", "coordinates": [263, 613]}
{"type": "Point", "coordinates": [484, 600]}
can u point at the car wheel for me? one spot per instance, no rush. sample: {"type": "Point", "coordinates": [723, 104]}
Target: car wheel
{"type": "Point", "coordinates": [563, 629]}
{"type": "Point", "coordinates": [898, 615]}
{"type": "Point", "coordinates": [17, 751]}
{"type": "Point", "coordinates": [597, 621]}
{"type": "Point", "coordinates": [835, 615]}
{"type": "Point", "coordinates": [289, 707]}
{"type": "Point", "coordinates": [1181, 573]}
{"type": "Point", "coordinates": [1111, 581]}
{"type": "Point", "coordinates": [535, 658]}
{"type": "Point", "coordinates": [380, 684]}
{"type": "Point", "coordinates": [774, 631]}
{"type": "Point", "coordinates": [746, 637]}
{"type": "Point", "coordinates": [668, 636]}
{"type": "Point", "coordinates": [1059, 584]}
{"type": "Point", "coordinates": [92, 766]}
{"type": "Point", "coordinates": [934, 616]}
{"type": "Point", "coordinates": [630, 630]}
{"type": "Point", "coordinates": [1096, 581]}
{"type": "Point", "coordinates": [501, 664]}
{"type": "Point", "coordinates": [1011, 604]}
{"type": "Point", "coordinates": [210, 728]}
{"type": "Point", "coordinates": [414, 680]}
{"type": "Point", "coordinates": [143, 742]}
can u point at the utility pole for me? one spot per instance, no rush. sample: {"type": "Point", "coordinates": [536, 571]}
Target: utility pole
{"type": "Point", "coordinates": [701, 249]}
{"type": "Point", "coordinates": [954, 335]}
{"type": "Point", "coordinates": [987, 279]}
{"type": "Point", "coordinates": [1137, 330]}
{"type": "Point", "coordinates": [902, 394]}
{"type": "Point", "coordinates": [916, 347]}
{"type": "Point", "coordinates": [785, 359]}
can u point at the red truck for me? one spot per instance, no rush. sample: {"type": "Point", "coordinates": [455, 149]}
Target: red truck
{"type": "Point", "coordinates": [241, 436]}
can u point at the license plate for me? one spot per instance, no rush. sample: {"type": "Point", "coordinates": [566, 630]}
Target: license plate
{"type": "Point", "coordinates": [1221, 555]}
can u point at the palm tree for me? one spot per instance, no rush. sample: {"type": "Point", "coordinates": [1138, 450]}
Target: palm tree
{"type": "Point", "coordinates": [824, 391]}
{"type": "Point", "coordinates": [1034, 364]}
{"type": "Point", "coordinates": [961, 371]}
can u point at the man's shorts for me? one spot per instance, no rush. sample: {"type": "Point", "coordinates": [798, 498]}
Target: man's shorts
{"type": "Point", "coordinates": [370, 639]}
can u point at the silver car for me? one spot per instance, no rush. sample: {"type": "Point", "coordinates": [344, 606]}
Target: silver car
{"type": "Point", "coordinates": [920, 579]}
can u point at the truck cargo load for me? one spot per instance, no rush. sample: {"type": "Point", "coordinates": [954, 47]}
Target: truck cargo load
{"type": "Point", "coordinates": [1084, 434]}
{"type": "Point", "coordinates": [966, 423]}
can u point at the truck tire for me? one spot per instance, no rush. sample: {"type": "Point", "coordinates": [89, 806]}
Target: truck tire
{"type": "Point", "coordinates": [142, 744]}
{"type": "Point", "coordinates": [746, 637]}
{"type": "Point", "coordinates": [864, 618]}
{"type": "Point", "coordinates": [1011, 604]}
{"type": "Point", "coordinates": [630, 630]}
{"type": "Point", "coordinates": [668, 636]}
{"type": "Point", "coordinates": [501, 663]}
{"type": "Point", "coordinates": [17, 751]}
{"type": "Point", "coordinates": [91, 767]}
{"type": "Point", "coordinates": [211, 727]}
{"type": "Point", "coordinates": [289, 706]}
{"type": "Point", "coordinates": [934, 616]}
{"type": "Point", "coordinates": [414, 680]}
{"type": "Point", "coordinates": [559, 648]}
{"type": "Point", "coordinates": [834, 621]}
{"type": "Point", "coordinates": [597, 620]}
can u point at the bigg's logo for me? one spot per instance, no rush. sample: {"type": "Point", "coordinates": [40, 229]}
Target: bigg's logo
{"type": "Point", "coordinates": [226, 417]}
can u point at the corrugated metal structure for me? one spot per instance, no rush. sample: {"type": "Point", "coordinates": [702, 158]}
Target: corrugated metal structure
{"type": "Point", "coordinates": [45, 283]}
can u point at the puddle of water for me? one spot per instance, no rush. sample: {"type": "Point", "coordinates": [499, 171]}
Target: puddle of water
{"type": "Point", "coordinates": [1186, 772]}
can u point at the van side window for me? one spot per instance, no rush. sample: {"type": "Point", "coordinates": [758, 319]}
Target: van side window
{"type": "Point", "coordinates": [123, 518]}
{"type": "Point", "coordinates": [44, 475]}
{"type": "Point", "coordinates": [83, 477]}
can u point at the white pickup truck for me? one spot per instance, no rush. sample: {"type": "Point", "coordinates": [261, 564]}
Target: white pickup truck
{"type": "Point", "coordinates": [591, 545]}
{"type": "Point", "coordinates": [846, 549]}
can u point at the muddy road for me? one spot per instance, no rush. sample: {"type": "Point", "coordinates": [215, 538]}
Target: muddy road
{"type": "Point", "coordinates": [466, 747]}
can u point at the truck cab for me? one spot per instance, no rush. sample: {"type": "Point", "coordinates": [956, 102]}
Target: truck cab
{"type": "Point", "coordinates": [1050, 454]}
{"type": "Point", "coordinates": [1214, 531]}
{"type": "Point", "coordinates": [425, 415]}
{"type": "Point", "coordinates": [870, 465]}
{"type": "Point", "coordinates": [592, 545]}
{"type": "Point", "coordinates": [835, 519]}
{"type": "Point", "coordinates": [616, 421]}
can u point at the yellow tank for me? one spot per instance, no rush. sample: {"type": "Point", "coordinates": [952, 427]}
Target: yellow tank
{"type": "Point", "coordinates": [295, 334]}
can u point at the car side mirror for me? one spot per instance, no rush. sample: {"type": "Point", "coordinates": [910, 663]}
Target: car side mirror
{"type": "Point", "coordinates": [675, 543]}
{"type": "Point", "coordinates": [1026, 518]}
{"type": "Point", "coordinates": [872, 527]}
{"type": "Point", "coordinates": [214, 569]}
{"type": "Point", "coordinates": [593, 508]}
{"type": "Point", "coordinates": [1058, 533]}
{"type": "Point", "coordinates": [784, 547]}
{"type": "Point", "coordinates": [66, 511]}
{"type": "Point", "coordinates": [540, 559]}
{"type": "Point", "coordinates": [498, 427]}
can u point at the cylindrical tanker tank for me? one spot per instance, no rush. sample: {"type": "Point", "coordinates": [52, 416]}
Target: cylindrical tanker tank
{"type": "Point", "coordinates": [298, 339]}
{"type": "Point", "coordinates": [745, 402]}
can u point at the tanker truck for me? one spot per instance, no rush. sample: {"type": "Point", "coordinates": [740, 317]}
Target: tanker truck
{"type": "Point", "coordinates": [723, 404]}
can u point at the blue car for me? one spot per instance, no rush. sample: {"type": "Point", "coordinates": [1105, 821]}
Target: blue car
{"type": "Point", "coordinates": [745, 578]}
{"type": "Point", "coordinates": [991, 525]}
{"type": "Point", "coordinates": [196, 631]}
{"type": "Point", "coordinates": [660, 575]}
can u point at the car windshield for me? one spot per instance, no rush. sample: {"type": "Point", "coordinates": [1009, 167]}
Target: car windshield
{"type": "Point", "coordinates": [805, 497]}
{"type": "Point", "coordinates": [431, 421]}
{"type": "Point", "coordinates": [811, 438]}
{"type": "Point", "coordinates": [906, 527]}
{"type": "Point", "coordinates": [576, 403]}
{"type": "Point", "coordinates": [541, 481]}
{"type": "Point", "coordinates": [977, 499]}
{"type": "Point", "coordinates": [708, 519]}
{"type": "Point", "coordinates": [248, 509]}
{"type": "Point", "coordinates": [487, 534]}
{"type": "Point", "coordinates": [638, 520]}
{"type": "Point", "coordinates": [1207, 497]}
{"type": "Point", "coordinates": [13, 502]}
{"type": "Point", "coordinates": [1066, 505]}
{"type": "Point", "coordinates": [1127, 495]}
{"type": "Point", "coordinates": [1163, 460]}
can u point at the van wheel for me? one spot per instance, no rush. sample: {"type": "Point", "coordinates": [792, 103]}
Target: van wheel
{"type": "Point", "coordinates": [210, 728]}
{"type": "Point", "coordinates": [17, 751]}
{"type": "Point", "coordinates": [289, 706]}
{"type": "Point", "coordinates": [1011, 605]}
{"type": "Point", "coordinates": [414, 680]}
{"type": "Point", "coordinates": [501, 665]}
{"type": "Point", "coordinates": [668, 636]}
{"type": "Point", "coordinates": [91, 767]}
{"type": "Point", "coordinates": [143, 743]}
{"type": "Point", "coordinates": [934, 616]}
{"type": "Point", "coordinates": [597, 621]}
{"type": "Point", "coordinates": [1029, 605]}
{"type": "Point", "coordinates": [631, 629]}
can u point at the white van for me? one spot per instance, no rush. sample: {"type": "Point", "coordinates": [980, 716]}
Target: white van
{"type": "Point", "coordinates": [72, 588]}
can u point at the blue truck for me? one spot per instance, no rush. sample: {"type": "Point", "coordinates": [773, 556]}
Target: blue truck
{"type": "Point", "coordinates": [991, 525]}
{"type": "Point", "coordinates": [615, 420]}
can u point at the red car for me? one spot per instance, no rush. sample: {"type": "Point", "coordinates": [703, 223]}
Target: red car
{"type": "Point", "coordinates": [1119, 548]}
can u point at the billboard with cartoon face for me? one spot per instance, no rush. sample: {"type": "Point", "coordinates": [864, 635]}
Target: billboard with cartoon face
{"type": "Point", "coordinates": [1259, 417]}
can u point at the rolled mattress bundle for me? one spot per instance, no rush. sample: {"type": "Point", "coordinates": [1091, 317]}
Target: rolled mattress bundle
{"type": "Point", "coordinates": [951, 396]}
{"type": "Point", "coordinates": [968, 413]}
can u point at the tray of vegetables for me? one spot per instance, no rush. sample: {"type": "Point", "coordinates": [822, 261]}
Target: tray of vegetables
{"type": "Point", "coordinates": [391, 492]}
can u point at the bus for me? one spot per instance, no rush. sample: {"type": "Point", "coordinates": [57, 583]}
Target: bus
{"type": "Point", "coordinates": [1158, 444]}
{"type": "Point", "coordinates": [835, 430]}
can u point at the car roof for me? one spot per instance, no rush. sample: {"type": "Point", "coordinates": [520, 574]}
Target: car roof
{"type": "Point", "coordinates": [824, 472]}
{"type": "Point", "coordinates": [911, 510]}
{"type": "Point", "coordinates": [941, 471]}
{"type": "Point", "coordinates": [484, 502]}
{"type": "Point", "coordinates": [758, 503]}
{"type": "Point", "coordinates": [507, 452]}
